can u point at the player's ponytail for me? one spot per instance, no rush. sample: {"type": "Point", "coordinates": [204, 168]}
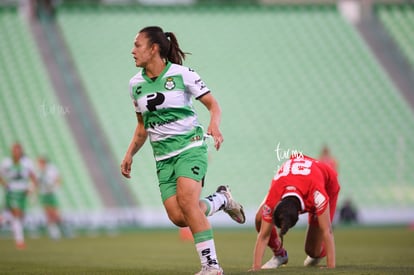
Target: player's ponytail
{"type": "Point", "coordinates": [286, 214]}
{"type": "Point", "coordinates": [175, 54]}
{"type": "Point", "coordinates": [167, 43]}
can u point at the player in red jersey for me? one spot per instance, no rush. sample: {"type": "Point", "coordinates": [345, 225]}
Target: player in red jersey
{"type": "Point", "coordinates": [302, 185]}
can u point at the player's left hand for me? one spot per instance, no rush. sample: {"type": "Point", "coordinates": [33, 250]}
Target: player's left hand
{"type": "Point", "coordinates": [254, 269]}
{"type": "Point", "coordinates": [126, 166]}
{"type": "Point", "coordinates": [217, 136]}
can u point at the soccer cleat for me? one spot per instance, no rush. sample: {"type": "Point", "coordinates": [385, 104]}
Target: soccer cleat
{"type": "Point", "coordinates": [276, 261]}
{"type": "Point", "coordinates": [20, 246]}
{"type": "Point", "coordinates": [309, 261]}
{"type": "Point", "coordinates": [233, 208]}
{"type": "Point", "coordinates": [209, 270]}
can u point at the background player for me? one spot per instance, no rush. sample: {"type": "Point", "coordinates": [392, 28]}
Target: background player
{"type": "Point", "coordinates": [327, 158]}
{"type": "Point", "coordinates": [161, 92]}
{"type": "Point", "coordinates": [48, 180]}
{"type": "Point", "coordinates": [301, 185]}
{"type": "Point", "coordinates": [17, 176]}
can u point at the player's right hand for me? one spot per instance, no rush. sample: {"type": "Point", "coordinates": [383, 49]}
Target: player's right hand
{"type": "Point", "coordinates": [126, 166]}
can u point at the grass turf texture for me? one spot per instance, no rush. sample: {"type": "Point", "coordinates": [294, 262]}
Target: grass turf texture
{"type": "Point", "coordinates": [359, 251]}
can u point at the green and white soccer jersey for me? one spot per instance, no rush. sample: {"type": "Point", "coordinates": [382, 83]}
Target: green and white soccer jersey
{"type": "Point", "coordinates": [47, 179]}
{"type": "Point", "coordinates": [166, 107]}
{"type": "Point", "coordinates": [16, 176]}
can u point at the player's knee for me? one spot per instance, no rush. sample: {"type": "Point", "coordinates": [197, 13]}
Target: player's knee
{"type": "Point", "coordinates": [176, 217]}
{"type": "Point", "coordinates": [187, 205]}
{"type": "Point", "coordinates": [312, 252]}
{"type": "Point", "coordinates": [178, 220]}
{"type": "Point", "coordinates": [179, 223]}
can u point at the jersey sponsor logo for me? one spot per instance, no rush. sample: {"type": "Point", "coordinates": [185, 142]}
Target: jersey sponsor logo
{"type": "Point", "coordinates": [152, 125]}
{"type": "Point", "coordinates": [195, 170]}
{"type": "Point", "coordinates": [195, 138]}
{"type": "Point", "coordinates": [169, 83]}
{"type": "Point", "coordinates": [200, 83]}
{"type": "Point", "coordinates": [153, 100]}
{"type": "Point", "coordinates": [138, 90]}
{"type": "Point", "coordinates": [319, 200]}
{"type": "Point", "coordinates": [290, 188]}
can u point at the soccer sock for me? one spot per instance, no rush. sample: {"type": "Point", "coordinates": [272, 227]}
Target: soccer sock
{"type": "Point", "coordinates": [17, 228]}
{"type": "Point", "coordinates": [323, 252]}
{"type": "Point", "coordinates": [54, 231]}
{"type": "Point", "coordinates": [65, 229]}
{"type": "Point", "coordinates": [206, 249]}
{"type": "Point", "coordinates": [274, 243]}
{"type": "Point", "coordinates": [214, 203]}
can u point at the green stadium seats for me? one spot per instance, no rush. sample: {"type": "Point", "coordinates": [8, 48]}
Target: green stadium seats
{"type": "Point", "coordinates": [399, 22]}
{"type": "Point", "coordinates": [31, 114]}
{"type": "Point", "coordinates": [294, 76]}
{"type": "Point", "coordinates": [298, 76]}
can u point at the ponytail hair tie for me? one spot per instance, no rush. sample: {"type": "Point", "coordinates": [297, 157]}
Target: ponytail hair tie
{"type": "Point", "coordinates": [167, 34]}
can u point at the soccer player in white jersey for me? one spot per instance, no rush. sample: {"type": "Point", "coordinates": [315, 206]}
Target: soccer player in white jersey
{"type": "Point", "coordinates": [17, 176]}
{"type": "Point", "coordinates": [162, 93]}
{"type": "Point", "coordinates": [48, 180]}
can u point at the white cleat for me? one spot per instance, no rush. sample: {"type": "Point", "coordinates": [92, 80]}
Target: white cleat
{"type": "Point", "coordinates": [275, 262]}
{"type": "Point", "coordinates": [233, 208]}
{"type": "Point", "coordinates": [209, 270]}
{"type": "Point", "coordinates": [309, 261]}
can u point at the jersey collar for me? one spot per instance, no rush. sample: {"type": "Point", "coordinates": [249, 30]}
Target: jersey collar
{"type": "Point", "coordinates": [295, 194]}
{"type": "Point", "coordinates": [148, 79]}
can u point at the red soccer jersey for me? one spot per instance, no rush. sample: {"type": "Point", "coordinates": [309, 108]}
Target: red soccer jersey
{"type": "Point", "coordinates": [311, 181]}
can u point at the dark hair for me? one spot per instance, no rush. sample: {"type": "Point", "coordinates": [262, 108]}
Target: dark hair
{"type": "Point", "coordinates": [167, 42]}
{"type": "Point", "coordinates": [286, 214]}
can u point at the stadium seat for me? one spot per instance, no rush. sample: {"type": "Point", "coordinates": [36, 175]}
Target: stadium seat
{"type": "Point", "coordinates": [297, 76]}
{"type": "Point", "coordinates": [29, 113]}
{"type": "Point", "coordinates": [399, 21]}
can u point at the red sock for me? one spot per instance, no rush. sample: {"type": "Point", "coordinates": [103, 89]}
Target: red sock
{"type": "Point", "coordinates": [323, 252]}
{"type": "Point", "coordinates": [275, 244]}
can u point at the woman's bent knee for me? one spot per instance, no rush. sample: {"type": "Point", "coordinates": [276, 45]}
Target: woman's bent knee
{"type": "Point", "coordinates": [313, 252]}
{"type": "Point", "coordinates": [174, 212]}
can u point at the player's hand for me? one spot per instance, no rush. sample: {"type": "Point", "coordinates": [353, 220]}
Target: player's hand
{"type": "Point", "coordinates": [217, 136]}
{"type": "Point", "coordinates": [126, 166]}
{"type": "Point", "coordinates": [254, 269]}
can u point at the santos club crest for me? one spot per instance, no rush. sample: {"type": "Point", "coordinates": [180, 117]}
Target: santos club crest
{"type": "Point", "coordinates": [169, 83]}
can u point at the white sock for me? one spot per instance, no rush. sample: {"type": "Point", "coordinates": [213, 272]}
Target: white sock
{"type": "Point", "coordinates": [17, 228]}
{"type": "Point", "coordinates": [54, 231]}
{"type": "Point", "coordinates": [7, 217]}
{"type": "Point", "coordinates": [215, 203]}
{"type": "Point", "coordinates": [207, 253]}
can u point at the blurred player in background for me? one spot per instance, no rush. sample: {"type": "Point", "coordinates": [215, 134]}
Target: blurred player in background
{"type": "Point", "coordinates": [161, 93]}
{"type": "Point", "coordinates": [302, 185]}
{"type": "Point", "coordinates": [327, 158]}
{"type": "Point", "coordinates": [348, 213]}
{"type": "Point", "coordinates": [18, 178]}
{"type": "Point", "coordinates": [48, 180]}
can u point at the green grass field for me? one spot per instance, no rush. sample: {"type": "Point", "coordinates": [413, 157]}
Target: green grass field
{"type": "Point", "coordinates": [359, 251]}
